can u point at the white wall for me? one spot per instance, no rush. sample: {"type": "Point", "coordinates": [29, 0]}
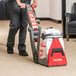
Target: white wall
{"type": "Point", "coordinates": [43, 8]}
{"type": "Point", "coordinates": [69, 4]}
{"type": "Point", "coordinates": [56, 9]}
{"type": "Point", "coordinates": [49, 9]}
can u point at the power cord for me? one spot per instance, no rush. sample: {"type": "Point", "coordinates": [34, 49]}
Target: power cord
{"type": "Point", "coordinates": [6, 45]}
{"type": "Point", "coordinates": [3, 44]}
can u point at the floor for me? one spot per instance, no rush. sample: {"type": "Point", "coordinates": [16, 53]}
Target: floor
{"type": "Point", "coordinates": [15, 65]}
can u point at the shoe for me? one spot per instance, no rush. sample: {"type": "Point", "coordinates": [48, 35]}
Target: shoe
{"type": "Point", "coordinates": [23, 53]}
{"type": "Point", "coordinates": [10, 51]}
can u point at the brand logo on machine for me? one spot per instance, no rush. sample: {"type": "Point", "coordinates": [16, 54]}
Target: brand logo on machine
{"type": "Point", "coordinates": [43, 44]}
{"type": "Point", "coordinates": [32, 18]}
{"type": "Point", "coordinates": [42, 52]}
{"type": "Point", "coordinates": [57, 59]}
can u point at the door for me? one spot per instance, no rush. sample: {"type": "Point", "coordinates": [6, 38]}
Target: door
{"type": "Point", "coordinates": [63, 16]}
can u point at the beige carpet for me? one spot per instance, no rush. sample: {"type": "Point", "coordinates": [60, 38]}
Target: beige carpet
{"type": "Point", "coordinates": [15, 65]}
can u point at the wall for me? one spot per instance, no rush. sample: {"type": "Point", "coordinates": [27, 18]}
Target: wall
{"type": "Point", "coordinates": [69, 4]}
{"type": "Point", "coordinates": [56, 9]}
{"type": "Point", "coordinates": [49, 9]}
{"type": "Point", "coordinates": [43, 8]}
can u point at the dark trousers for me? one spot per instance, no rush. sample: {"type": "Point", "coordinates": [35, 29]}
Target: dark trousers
{"type": "Point", "coordinates": [18, 21]}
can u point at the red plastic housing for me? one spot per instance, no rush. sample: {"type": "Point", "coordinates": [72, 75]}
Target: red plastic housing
{"type": "Point", "coordinates": [57, 58]}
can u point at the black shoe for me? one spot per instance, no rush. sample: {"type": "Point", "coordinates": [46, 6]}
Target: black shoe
{"type": "Point", "coordinates": [23, 53]}
{"type": "Point", "coordinates": [10, 51]}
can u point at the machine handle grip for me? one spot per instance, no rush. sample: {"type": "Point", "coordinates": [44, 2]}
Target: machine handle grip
{"type": "Point", "coordinates": [44, 35]}
{"type": "Point", "coordinates": [32, 7]}
{"type": "Point", "coordinates": [27, 5]}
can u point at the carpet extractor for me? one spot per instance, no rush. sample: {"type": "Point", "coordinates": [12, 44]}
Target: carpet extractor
{"type": "Point", "coordinates": [47, 44]}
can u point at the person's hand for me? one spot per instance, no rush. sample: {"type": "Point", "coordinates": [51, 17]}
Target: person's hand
{"type": "Point", "coordinates": [34, 4]}
{"type": "Point", "coordinates": [22, 5]}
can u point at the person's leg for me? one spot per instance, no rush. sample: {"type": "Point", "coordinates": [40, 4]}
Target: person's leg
{"type": "Point", "coordinates": [22, 33]}
{"type": "Point", "coordinates": [11, 40]}
{"type": "Point", "coordinates": [14, 26]}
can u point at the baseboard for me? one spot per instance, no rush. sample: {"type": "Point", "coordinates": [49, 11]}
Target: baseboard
{"type": "Point", "coordinates": [54, 20]}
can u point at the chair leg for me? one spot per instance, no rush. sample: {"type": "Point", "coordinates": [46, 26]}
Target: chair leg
{"type": "Point", "coordinates": [67, 37]}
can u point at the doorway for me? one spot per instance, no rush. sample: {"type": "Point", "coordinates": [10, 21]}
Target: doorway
{"type": "Point", "coordinates": [63, 16]}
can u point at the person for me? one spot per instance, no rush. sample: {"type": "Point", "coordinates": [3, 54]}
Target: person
{"type": "Point", "coordinates": [18, 21]}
